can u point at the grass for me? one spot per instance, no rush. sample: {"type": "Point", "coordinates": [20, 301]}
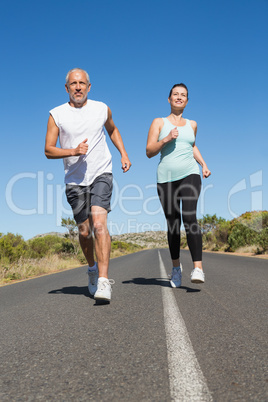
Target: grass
{"type": "Point", "coordinates": [121, 245]}
{"type": "Point", "coordinates": [30, 268]}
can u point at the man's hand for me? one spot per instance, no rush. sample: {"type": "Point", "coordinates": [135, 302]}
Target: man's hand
{"type": "Point", "coordinates": [125, 163]}
{"type": "Point", "coordinates": [81, 149]}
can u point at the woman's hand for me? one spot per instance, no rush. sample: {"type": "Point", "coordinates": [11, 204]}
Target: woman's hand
{"type": "Point", "coordinates": [205, 171]}
{"type": "Point", "coordinates": [172, 135]}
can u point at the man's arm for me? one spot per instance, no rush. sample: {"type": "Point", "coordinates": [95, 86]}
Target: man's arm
{"type": "Point", "coordinates": [116, 138]}
{"type": "Point", "coordinates": [53, 152]}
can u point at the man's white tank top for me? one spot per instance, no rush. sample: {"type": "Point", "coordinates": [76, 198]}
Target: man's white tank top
{"type": "Point", "coordinates": [75, 125]}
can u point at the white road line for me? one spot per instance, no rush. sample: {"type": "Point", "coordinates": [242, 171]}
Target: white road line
{"type": "Point", "coordinates": [187, 382]}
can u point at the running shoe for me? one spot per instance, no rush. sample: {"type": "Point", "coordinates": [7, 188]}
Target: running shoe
{"type": "Point", "coordinates": [92, 280]}
{"type": "Point", "coordinates": [104, 289]}
{"type": "Point", "coordinates": [197, 276]}
{"type": "Point", "coordinates": [175, 277]}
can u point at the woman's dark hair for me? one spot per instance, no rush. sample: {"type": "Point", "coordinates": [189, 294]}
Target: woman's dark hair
{"type": "Point", "coordinates": [178, 85]}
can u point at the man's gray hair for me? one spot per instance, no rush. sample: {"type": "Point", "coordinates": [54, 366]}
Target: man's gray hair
{"type": "Point", "coordinates": [76, 69]}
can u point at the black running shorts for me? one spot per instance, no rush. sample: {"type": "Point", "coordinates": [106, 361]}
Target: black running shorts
{"type": "Point", "coordinates": [82, 198]}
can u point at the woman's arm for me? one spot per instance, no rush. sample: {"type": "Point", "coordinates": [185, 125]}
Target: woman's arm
{"type": "Point", "coordinates": [198, 157]}
{"type": "Point", "coordinates": [197, 154]}
{"type": "Point", "coordinates": [153, 145]}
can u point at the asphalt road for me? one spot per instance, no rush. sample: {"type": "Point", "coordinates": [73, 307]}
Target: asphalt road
{"type": "Point", "coordinates": [151, 343]}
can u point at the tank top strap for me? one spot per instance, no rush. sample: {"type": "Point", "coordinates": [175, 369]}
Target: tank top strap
{"type": "Point", "coordinates": [165, 119]}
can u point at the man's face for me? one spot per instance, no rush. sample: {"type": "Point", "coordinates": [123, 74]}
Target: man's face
{"type": "Point", "coordinates": [77, 88]}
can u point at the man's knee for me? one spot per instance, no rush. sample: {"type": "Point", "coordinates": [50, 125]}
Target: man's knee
{"type": "Point", "coordinates": [100, 228]}
{"type": "Point", "coordinates": [99, 221]}
{"type": "Point", "coordinates": [84, 230]}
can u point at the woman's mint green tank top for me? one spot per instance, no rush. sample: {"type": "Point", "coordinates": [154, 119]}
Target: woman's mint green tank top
{"type": "Point", "coordinates": [177, 160]}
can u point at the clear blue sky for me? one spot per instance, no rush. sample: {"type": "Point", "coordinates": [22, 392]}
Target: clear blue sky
{"type": "Point", "coordinates": [134, 53]}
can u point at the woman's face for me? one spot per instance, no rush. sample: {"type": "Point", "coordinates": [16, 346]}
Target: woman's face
{"type": "Point", "coordinates": [179, 97]}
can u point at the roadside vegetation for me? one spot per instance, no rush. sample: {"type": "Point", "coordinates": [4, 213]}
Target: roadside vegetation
{"type": "Point", "coordinates": [245, 234]}
{"type": "Point", "coordinates": [20, 259]}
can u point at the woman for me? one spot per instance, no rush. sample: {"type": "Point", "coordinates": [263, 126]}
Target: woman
{"type": "Point", "coordinates": [178, 180]}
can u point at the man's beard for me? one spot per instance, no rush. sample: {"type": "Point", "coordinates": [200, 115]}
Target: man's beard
{"type": "Point", "coordinates": [79, 100]}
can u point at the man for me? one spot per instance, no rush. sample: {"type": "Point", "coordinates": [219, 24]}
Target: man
{"type": "Point", "coordinates": [79, 125]}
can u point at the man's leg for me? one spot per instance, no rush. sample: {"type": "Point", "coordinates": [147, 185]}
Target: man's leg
{"type": "Point", "coordinates": [102, 239]}
{"type": "Point", "coordinates": [79, 200]}
{"type": "Point", "coordinates": [87, 245]}
{"type": "Point", "coordinates": [86, 241]}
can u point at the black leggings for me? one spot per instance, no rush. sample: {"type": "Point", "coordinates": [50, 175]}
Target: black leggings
{"type": "Point", "coordinates": [171, 194]}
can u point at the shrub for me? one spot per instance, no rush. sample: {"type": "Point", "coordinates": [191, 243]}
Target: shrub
{"type": "Point", "coordinates": [123, 246]}
{"type": "Point", "coordinates": [256, 220]}
{"type": "Point", "coordinates": [208, 240]}
{"type": "Point", "coordinates": [12, 247]}
{"type": "Point", "coordinates": [66, 247]}
{"type": "Point", "coordinates": [262, 240]}
{"type": "Point", "coordinates": [240, 236]}
{"type": "Point", "coordinates": [209, 223]}
{"type": "Point", "coordinates": [47, 245]}
{"type": "Point", "coordinates": [222, 232]}
{"type": "Point", "coordinates": [39, 247]}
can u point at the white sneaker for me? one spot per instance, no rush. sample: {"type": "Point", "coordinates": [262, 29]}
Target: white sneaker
{"type": "Point", "coordinates": [92, 280]}
{"type": "Point", "coordinates": [104, 289]}
{"type": "Point", "coordinates": [197, 276]}
{"type": "Point", "coordinates": [175, 277]}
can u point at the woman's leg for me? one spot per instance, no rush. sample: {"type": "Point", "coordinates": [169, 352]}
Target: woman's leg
{"type": "Point", "coordinates": [168, 195]}
{"type": "Point", "coordinates": [189, 192]}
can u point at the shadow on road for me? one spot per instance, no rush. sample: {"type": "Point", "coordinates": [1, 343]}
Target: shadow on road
{"type": "Point", "coordinates": [72, 290]}
{"type": "Point", "coordinates": [158, 282]}
{"type": "Point", "coordinates": [190, 290]}
{"type": "Point", "coordinates": [75, 290]}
